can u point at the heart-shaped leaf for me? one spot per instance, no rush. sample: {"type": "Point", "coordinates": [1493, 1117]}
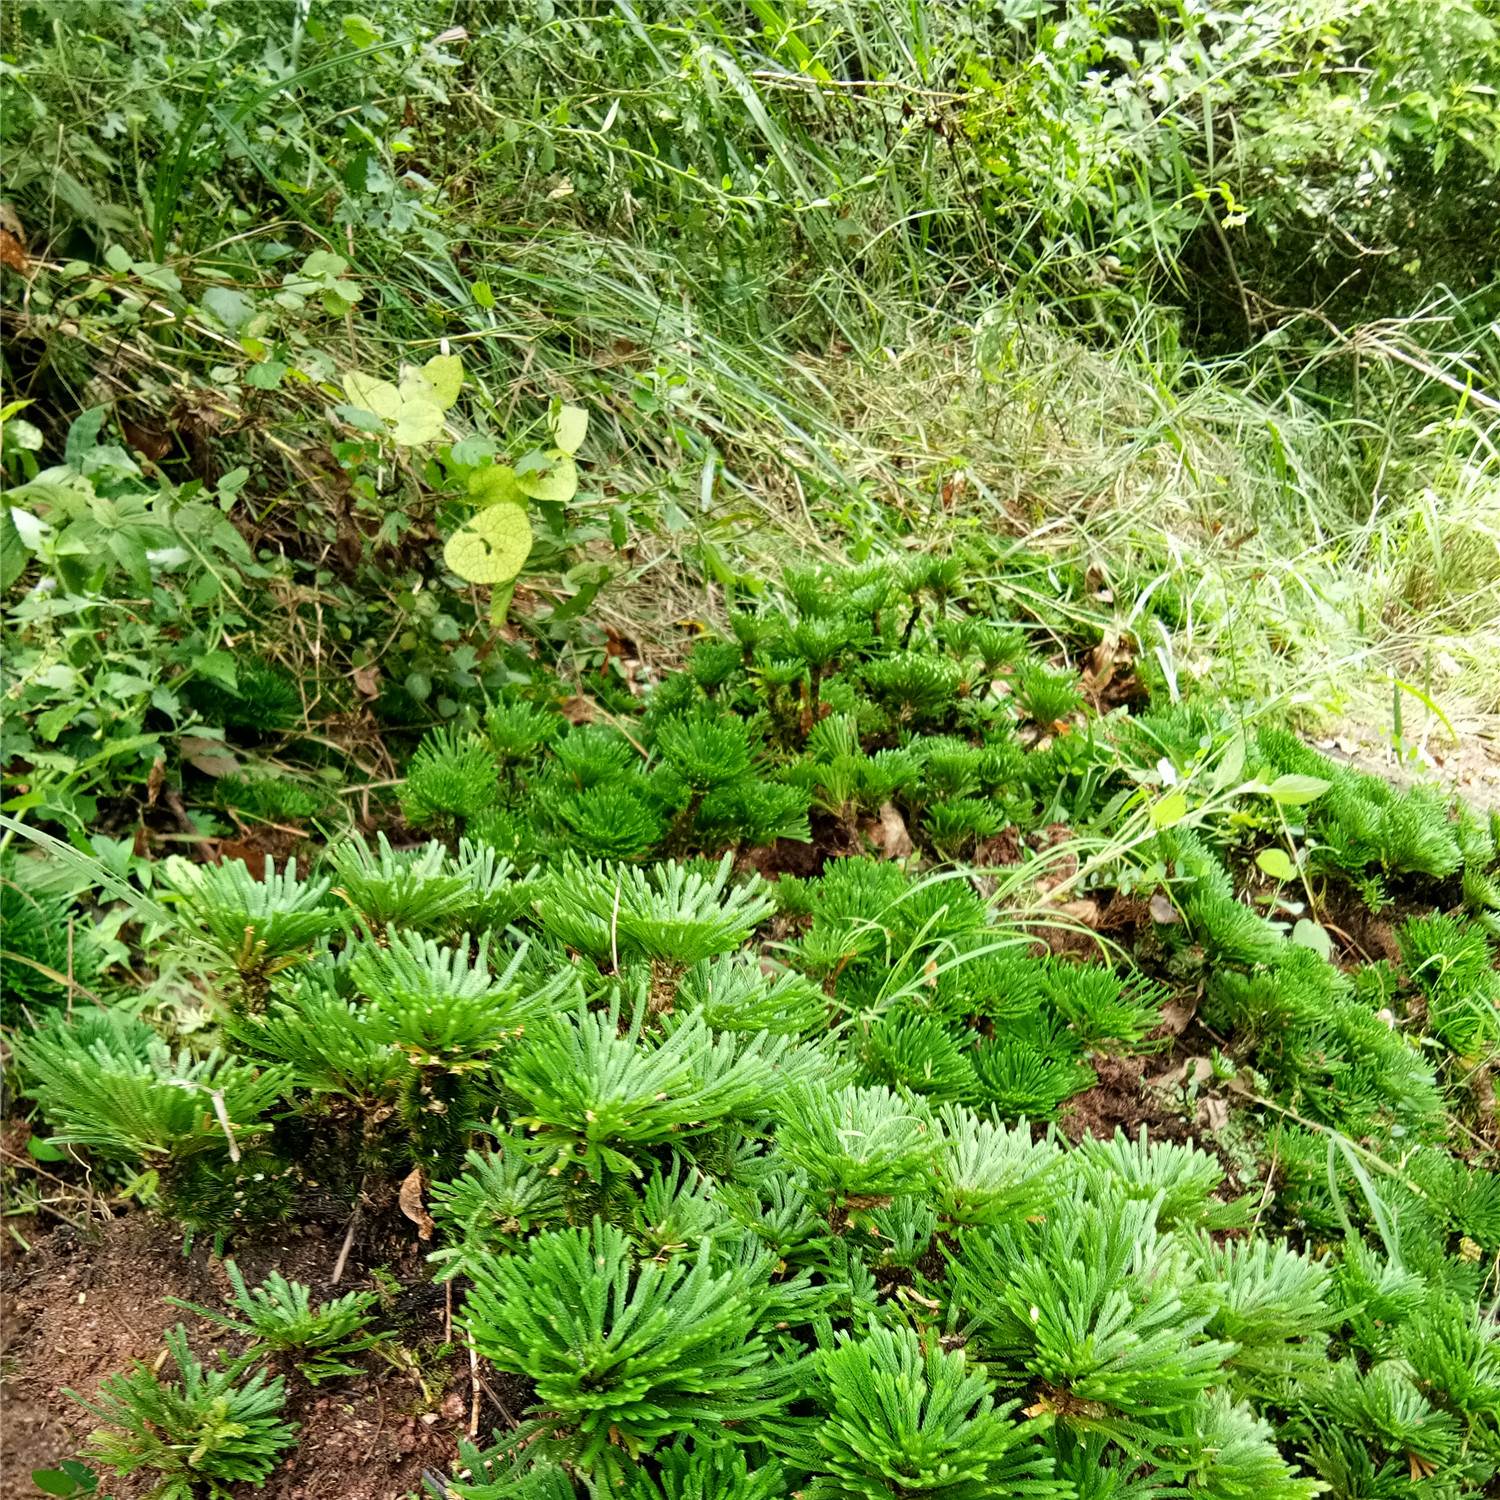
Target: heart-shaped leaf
{"type": "Point", "coordinates": [492, 547]}
{"type": "Point", "coordinates": [570, 424]}
{"type": "Point", "coordinates": [557, 481]}
{"type": "Point", "coordinates": [1276, 864]}
{"type": "Point", "coordinates": [445, 374]}
{"type": "Point", "coordinates": [495, 485]}
{"type": "Point", "coordinates": [372, 394]}
{"type": "Point", "coordinates": [420, 419]}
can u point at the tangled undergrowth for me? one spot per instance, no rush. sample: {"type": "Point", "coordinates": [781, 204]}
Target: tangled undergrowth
{"type": "Point", "coordinates": [728, 1044]}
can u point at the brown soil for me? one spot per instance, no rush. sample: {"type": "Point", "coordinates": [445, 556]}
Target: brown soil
{"type": "Point", "coordinates": [1120, 1101]}
{"type": "Point", "coordinates": [79, 1307]}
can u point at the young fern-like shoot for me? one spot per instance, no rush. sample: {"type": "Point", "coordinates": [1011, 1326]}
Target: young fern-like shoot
{"type": "Point", "coordinates": [278, 1317]}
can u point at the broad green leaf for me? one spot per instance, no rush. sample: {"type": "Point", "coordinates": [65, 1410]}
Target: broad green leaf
{"type": "Point", "coordinates": [220, 666]}
{"type": "Point", "coordinates": [445, 374]}
{"type": "Point", "coordinates": [1293, 791]}
{"type": "Point", "coordinates": [1310, 934]}
{"type": "Point", "coordinates": [231, 308]}
{"type": "Point", "coordinates": [360, 31]}
{"type": "Point", "coordinates": [12, 552]}
{"type": "Point", "coordinates": [1171, 809]}
{"type": "Point", "coordinates": [570, 424]}
{"type": "Point", "coordinates": [53, 1481]}
{"type": "Point", "coordinates": [496, 484]}
{"type": "Point", "coordinates": [1276, 864]}
{"type": "Point", "coordinates": [492, 547]}
{"type": "Point", "coordinates": [265, 376]}
{"type": "Point", "coordinates": [1232, 765]}
{"type": "Point", "coordinates": [420, 419]}
{"type": "Point", "coordinates": [372, 394]}
{"type": "Point", "coordinates": [324, 265]}
{"type": "Point", "coordinates": [557, 482]}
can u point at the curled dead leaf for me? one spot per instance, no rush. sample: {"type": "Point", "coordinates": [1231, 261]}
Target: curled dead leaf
{"type": "Point", "coordinates": [412, 1205]}
{"type": "Point", "coordinates": [1176, 1014]}
{"type": "Point", "coordinates": [887, 832]}
{"type": "Point", "coordinates": [1190, 1070]}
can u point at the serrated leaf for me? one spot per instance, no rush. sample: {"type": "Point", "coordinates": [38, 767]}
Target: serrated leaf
{"type": "Point", "coordinates": [1276, 864]}
{"type": "Point", "coordinates": [570, 425]}
{"type": "Point", "coordinates": [370, 393]}
{"type": "Point", "coordinates": [1293, 791]}
{"type": "Point", "coordinates": [444, 373]}
{"type": "Point", "coordinates": [496, 485]}
{"type": "Point", "coordinates": [1171, 809]}
{"type": "Point", "coordinates": [492, 547]}
{"type": "Point", "coordinates": [558, 482]}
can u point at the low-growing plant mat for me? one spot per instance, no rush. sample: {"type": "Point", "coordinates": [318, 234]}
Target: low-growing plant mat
{"type": "Point", "coordinates": [675, 1058]}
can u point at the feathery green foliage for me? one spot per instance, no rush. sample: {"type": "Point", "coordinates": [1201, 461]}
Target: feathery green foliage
{"type": "Point", "coordinates": [200, 1434]}
{"type": "Point", "coordinates": [279, 1317]}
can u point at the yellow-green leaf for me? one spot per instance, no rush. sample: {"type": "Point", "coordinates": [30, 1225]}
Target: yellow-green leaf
{"type": "Point", "coordinates": [557, 482]}
{"type": "Point", "coordinates": [419, 419]}
{"type": "Point", "coordinates": [492, 547]}
{"type": "Point", "coordinates": [1276, 864]}
{"type": "Point", "coordinates": [495, 485]}
{"type": "Point", "coordinates": [1309, 934]}
{"type": "Point", "coordinates": [370, 393]}
{"type": "Point", "coordinates": [445, 374]}
{"type": "Point", "coordinates": [570, 424]}
{"type": "Point", "coordinates": [1293, 791]}
{"type": "Point", "coordinates": [1171, 809]}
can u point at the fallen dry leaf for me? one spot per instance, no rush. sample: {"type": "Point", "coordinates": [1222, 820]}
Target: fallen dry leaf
{"type": "Point", "coordinates": [1213, 1113]}
{"type": "Point", "coordinates": [887, 831]}
{"type": "Point", "coordinates": [1085, 912]}
{"type": "Point", "coordinates": [13, 253]}
{"type": "Point", "coordinates": [1163, 913]}
{"type": "Point", "coordinates": [1175, 1014]}
{"type": "Point", "coordinates": [1190, 1070]}
{"type": "Point", "coordinates": [412, 1205]}
{"type": "Point", "coordinates": [209, 756]}
{"type": "Point", "coordinates": [367, 681]}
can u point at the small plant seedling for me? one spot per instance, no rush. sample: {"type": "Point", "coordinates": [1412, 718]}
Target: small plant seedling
{"type": "Point", "coordinates": [279, 1317]}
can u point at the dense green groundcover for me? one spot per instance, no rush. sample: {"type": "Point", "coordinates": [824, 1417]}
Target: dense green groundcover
{"type": "Point", "coordinates": [751, 1176]}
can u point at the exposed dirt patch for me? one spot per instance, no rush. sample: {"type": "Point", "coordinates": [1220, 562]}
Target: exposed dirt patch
{"type": "Point", "coordinates": [80, 1307]}
{"type": "Point", "coordinates": [1469, 769]}
{"type": "Point", "coordinates": [1121, 1101]}
{"type": "Point", "coordinates": [831, 839]}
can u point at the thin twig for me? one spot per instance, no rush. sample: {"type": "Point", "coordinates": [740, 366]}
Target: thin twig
{"type": "Point", "coordinates": [348, 1245]}
{"type": "Point", "coordinates": [473, 1385]}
